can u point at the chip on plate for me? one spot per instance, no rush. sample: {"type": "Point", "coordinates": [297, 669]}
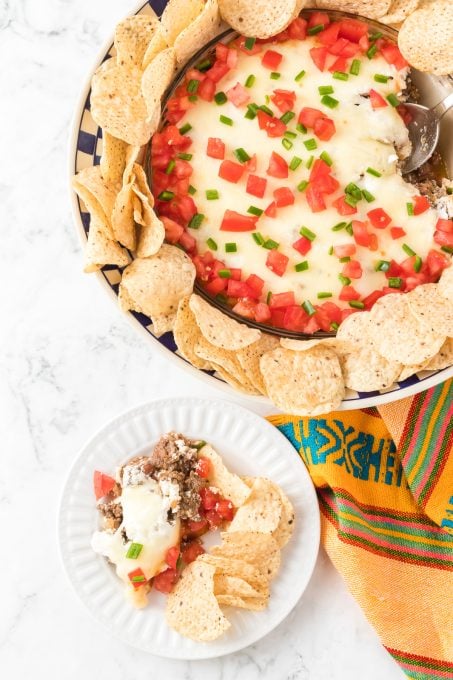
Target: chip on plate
{"type": "Point", "coordinates": [226, 363]}
{"type": "Point", "coordinates": [262, 511]}
{"type": "Point", "coordinates": [219, 329]}
{"type": "Point", "coordinates": [229, 566]}
{"type": "Point", "coordinates": [434, 311]}
{"type": "Point", "coordinates": [426, 37]}
{"type": "Point", "coordinates": [202, 29]}
{"type": "Point", "coordinates": [366, 370]}
{"type": "Point", "coordinates": [178, 15]}
{"type": "Point", "coordinates": [113, 159]}
{"type": "Point", "coordinates": [132, 37]}
{"type": "Point", "coordinates": [262, 18]}
{"type": "Point", "coordinates": [249, 359]}
{"type": "Point", "coordinates": [232, 585]}
{"type": "Point", "coordinates": [230, 485]}
{"type": "Point", "coordinates": [100, 250]}
{"type": "Point", "coordinates": [445, 284]}
{"type": "Point", "coordinates": [372, 9]}
{"type": "Point", "coordinates": [254, 547]}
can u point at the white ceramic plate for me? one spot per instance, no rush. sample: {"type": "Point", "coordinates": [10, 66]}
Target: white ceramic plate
{"type": "Point", "coordinates": [249, 446]}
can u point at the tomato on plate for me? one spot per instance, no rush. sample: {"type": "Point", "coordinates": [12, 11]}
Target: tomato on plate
{"type": "Point", "coordinates": [294, 318]}
{"type": "Point", "coordinates": [344, 250]}
{"type": "Point", "coordinates": [277, 262]}
{"type": "Point", "coordinates": [234, 221]}
{"type": "Point", "coordinates": [302, 245]}
{"type": "Point", "coordinates": [349, 293]}
{"type": "Point", "coordinates": [171, 556]}
{"type": "Point", "coordinates": [137, 578]}
{"type": "Point", "coordinates": [376, 100]}
{"type": "Point", "coordinates": [297, 30]}
{"type": "Point", "coordinates": [284, 100]}
{"type": "Point", "coordinates": [308, 116]}
{"type": "Point", "coordinates": [379, 218]}
{"type": "Point", "coordinates": [262, 312]}
{"type": "Point", "coordinates": [218, 70]}
{"type": "Point", "coordinates": [195, 528]}
{"type": "Point", "coordinates": [397, 232]}
{"type": "Point", "coordinates": [225, 509]}
{"type": "Point", "coordinates": [256, 283]}
{"type": "Point", "coordinates": [361, 233]}
{"type": "Point", "coordinates": [271, 59]}
{"type": "Point", "coordinates": [315, 198]}
{"type": "Point", "coordinates": [352, 29]}
{"type": "Point", "coordinates": [203, 468]}
{"type": "Point", "coordinates": [256, 186]}
{"type": "Point", "coordinates": [283, 197]}
{"type": "Point", "coordinates": [239, 289]}
{"type": "Point", "coordinates": [352, 269]}
{"type": "Point", "coordinates": [246, 308]}
{"type": "Point", "coordinates": [436, 263]}
{"type": "Point", "coordinates": [421, 204]}
{"type": "Point", "coordinates": [392, 55]}
{"type": "Point", "coordinates": [165, 581]}
{"type": "Point", "coordinates": [209, 498]}
{"type": "Point", "coordinates": [238, 95]}
{"type": "Point", "coordinates": [319, 56]}
{"type": "Point", "coordinates": [279, 300]}
{"type": "Point", "coordinates": [273, 126]}
{"type": "Point", "coordinates": [329, 35]}
{"type": "Point", "coordinates": [318, 19]}
{"type": "Point", "coordinates": [215, 148]}
{"type": "Point", "coordinates": [278, 167]}
{"type": "Point", "coordinates": [173, 230]}
{"type": "Point", "coordinates": [103, 484]}
{"type": "Point", "coordinates": [344, 208]}
{"type": "Point", "coordinates": [206, 90]}
{"type": "Point", "coordinates": [231, 171]}
{"type": "Point", "coordinates": [191, 551]}
{"type": "Point", "coordinates": [324, 128]}
{"type": "Point", "coordinates": [271, 210]}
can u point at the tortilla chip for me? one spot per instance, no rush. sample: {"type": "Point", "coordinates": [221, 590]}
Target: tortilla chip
{"type": "Point", "coordinates": [177, 16]}
{"type": "Point", "coordinates": [303, 383]}
{"type": "Point", "coordinates": [163, 324]}
{"type": "Point", "coordinates": [230, 485]}
{"type": "Point", "coordinates": [426, 37]}
{"type": "Point", "coordinates": [249, 359]}
{"type": "Point", "coordinates": [192, 609]}
{"type": "Point", "coordinates": [445, 284]}
{"type": "Point", "coordinates": [155, 285]}
{"type": "Point", "coordinates": [254, 547]}
{"type": "Point", "coordinates": [232, 585]}
{"type": "Point", "coordinates": [155, 80]}
{"type": "Point", "coordinates": [303, 345]}
{"type": "Point", "coordinates": [229, 566]}
{"type": "Point", "coordinates": [284, 531]}
{"type": "Point", "coordinates": [132, 37]}
{"type": "Point", "coordinates": [262, 511]}
{"type": "Point", "coordinates": [101, 250]}
{"type": "Point", "coordinates": [412, 369]}
{"type": "Point", "coordinates": [356, 329]}
{"type": "Point", "coordinates": [203, 29]}
{"type": "Point", "coordinates": [432, 310]}
{"type": "Point", "coordinates": [93, 206]}
{"type": "Point", "coordinates": [398, 335]}
{"type": "Point", "coordinates": [219, 329]}
{"type": "Point", "coordinates": [252, 603]}
{"type": "Point", "coordinates": [117, 103]}
{"type": "Point", "coordinates": [187, 334]}
{"type": "Point", "coordinates": [150, 236]}
{"type": "Point", "coordinates": [90, 181]}
{"type": "Point", "coordinates": [225, 363]}
{"type": "Point", "coordinates": [398, 11]}
{"type": "Point", "coordinates": [443, 358]}
{"type": "Point", "coordinates": [261, 19]}
{"type": "Point", "coordinates": [113, 159]}
{"type": "Point", "coordinates": [156, 44]}
{"type": "Point", "coordinates": [365, 370]}
{"type": "Point", "coordinates": [123, 223]}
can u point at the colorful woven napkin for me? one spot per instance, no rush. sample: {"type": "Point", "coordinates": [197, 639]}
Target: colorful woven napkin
{"type": "Point", "coordinates": [384, 479]}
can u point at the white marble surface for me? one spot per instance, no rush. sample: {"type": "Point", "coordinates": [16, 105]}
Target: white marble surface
{"type": "Point", "coordinates": [68, 363]}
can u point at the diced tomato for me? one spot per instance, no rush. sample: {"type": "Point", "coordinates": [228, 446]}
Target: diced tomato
{"type": "Point", "coordinates": [137, 578]}
{"type": "Point", "coordinates": [444, 225]}
{"type": "Point", "coordinates": [329, 35]}
{"type": "Point", "coordinates": [315, 198]}
{"type": "Point", "coordinates": [188, 242]}
{"type": "Point", "coordinates": [318, 18]}
{"type": "Point", "coordinates": [277, 262]}
{"type": "Point", "coordinates": [214, 519]}
{"type": "Point", "coordinates": [203, 468]}
{"type": "Point", "coordinates": [344, 250]}
{"type": "Point", "coordinates": [379, 218]}
{"type": "Point", "coordinates": [324, 128]}
{"type": "Point", "coordinates": [256, 186]}
{"type": "Point", "coordinates": [322, 318]}
{"type": "Point", "coordinates": [443, 238]}
{"type": "Point", "coordinates": [262, 312]}
{"type": "Point", "coordinates": [206, 90]}
{"type": "Point", "coordinates": [302, 245]}
{"type": "Point", "coordinates": [186, 207]}
{"type": "Point", "coordinates": [393, 270]}
{"type": "Point", "coordinates": [407, 265]}
{"type": "Point", "coordinates": [319, 169]}
{"type": "Point", "coordinates": [215, 148]}
{"type": "Point", "coordinates": [238, 95]}
{"type": "Point", "coordinates": [376, 100]}
{"type": "Point", "coordinates": [246, 308]}
{"type": "Point", "coordinates": [278, 167]}
{"type": "Point", "coordinates": [352, 269]}
{"type": "Point", "coordinates": [370, 299]}
{"type": "Point", "coordinates": [319, 56]}
{"type": "Point", "coordinates": [397, 232]}
{"type": "Point", "coordinates": [225, 509]}
{"type": "Point", "coordinates": [165, 581]}
{"type": "Point", "coordinates": [421, 204]}
{"type": "Point", "coordinates": [312, 325]}
{"type": "Point", "coordinates": [326, 184]}
{"type": "Point", "coordinates": [360, 233]}
{"type": "Point", "coordinates": [332, 310]}
{"type": "Point", "coordinates": [234, 221]}
{"type": "Point", "coordinates": [221, 52]}
{"type": "Point", "coordinates": [340, 64]}
{"type": "Point", "coordinates": [218, 70]}
{"type": "Point", "coordinates": [294, 318]}
{"type": "Point", "coordinates": [284, 100]}
{"type": "Point", "coordinates": [308, 116]}
{"type": "Point", "coordinates": [344, 208]}
{"type": "Point", "coordinates": [271, 210]}
{"type": "Point", "coordinates": [231, 171]}
{"type": "Point", "coordinates": [240, 42]}
{"type": "Point", "coordinates": [103, 484]}
{"type": "Point", "coordinates": [353, 29]}
{"type": "Point", "coordinates": [349, 50]}
{"type": "Point", "coordinates": [373, 242]}
{"type": "Point", "coordinates": [337, 47]}
{"type": "Point", "coordinates": [256, 283]}
{"type": "Point", "coordinates": [274, 127]}
{"type": "Point", "coordinates": [436, 263]}
{"type": "Point", "coordinates": [191, 551]}
{"type": "Point", "coordinates": [195, 528]}
{"type": "Point", "coordinates": [271, 59]}
{"type": "Point", "coordinates": [297, 30]}
{"type": "Point", "coordinates": [364, 43]}
{"type": "Point", "coordinates": [171, 556]}
{"type": "Point", "coordinates": [277, 317]}
{"type": "Point", "coordinates": [208, 498]}
{"type": "Point", "coordinates": [392, 55]}
{"type": "Point", "coordinates": [173, 230]}
{"type": "Point", "coordinates": [239, 289]}
{"type": "Point", "coordinates": [250, 165]}
{"type": "Point", "coordinates": [279, 300]}
{"type": "Point", "coordinates": [348, 293]}
{"type": "Point", "coordinates": [216, 286]}
{"type": "Point", "coordinates": [283, 197]}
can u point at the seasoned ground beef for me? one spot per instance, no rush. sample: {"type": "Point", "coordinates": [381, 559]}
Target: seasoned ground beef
{"type": "Point", "coordinates": [112, 513]}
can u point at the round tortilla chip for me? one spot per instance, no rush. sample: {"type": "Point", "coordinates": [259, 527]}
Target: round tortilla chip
{"type": "Point", "coordinates": [356, 330]}
{"type": "Point", "coordinates": [426, 37]}
{"type": "Point", "coordinates": [225, 362]}
{"type": "Point", "coordinates": [232, 585]}
{"type": "Point", "coordinates": [431, 309]}
{"type": "Point", "coordinates": [203, 29]}
{"type": "Point", "coordinates": [157, 44]}
{"type": "Point", "coordinates": [117, 103]}
{"type": "Point", "coordinates": [155, 80]}
{"type": "Point", "coordinates": [398, 335]}
{"type": "Point", "coordinates": [445, 284]}
{"type": "Point", "coordinates": [113, 159]}
{"type": "Point", "coordinates": [302, 383]}
{"type": "Point", "coordinates": [412, 369]}
{"type": "Point", "coordinates": [398, 11]}
{"type": "Point", "coordinates": [365, 370]}
{"type": "Point", "coordinates": [150, 236]}
{"type": "Point", "coordinates": [132, 37]}
{"type": "Point", "coordinates": [262, 511]}
{"type": "Point", "coordinates": [254, 547]}
{"type": "Point", "coordinates": [443, 358]}
{"type": "Point", "coordinates": [284, 531]}
{"type": "Point", "coordinates": [373, 9]}
{"type": "Point", "coordinates": [233, 381]}
{"type": "Point", "coordinates": [100, 250]}
{"type": "Point", "coordinates": [192, 609]}
{"type": "Point", "coordinates": [303, 345]}
{"type": "Point", "coordinates": [187, 334]}
{"type": "Point", "coordinates": [262, 18]}
{"type": "Point", "coordinates": [155, 285]}
{"type": "Point", "coordinates": [177, 16]}
{"type": "Point", "coordinates": [219, 329]}
{"type": "Point", "coordinates": [249, 359]}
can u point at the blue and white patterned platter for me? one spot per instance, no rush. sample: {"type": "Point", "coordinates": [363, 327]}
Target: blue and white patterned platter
{"type": "Point", "coordinates": [85, 150]}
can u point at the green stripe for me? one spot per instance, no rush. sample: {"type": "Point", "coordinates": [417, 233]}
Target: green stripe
{"type": "Point", "coordinates": [408, 441]}
{"type": "Point", "coordinates": [428, 663]}
{"type": "Point", "coordinates": [417, 519]}
{"type": "Point", "coordinates": [434, 438]}
{"type": "Point", "coordinates": [438, 463]}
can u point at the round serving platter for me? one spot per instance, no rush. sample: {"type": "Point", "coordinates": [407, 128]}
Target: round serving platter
{"type": "Point", "coordinates": [85, 150]}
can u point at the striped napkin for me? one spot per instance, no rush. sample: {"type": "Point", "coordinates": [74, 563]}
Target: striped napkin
{"type": "Point", "coordinates": [384, 479]}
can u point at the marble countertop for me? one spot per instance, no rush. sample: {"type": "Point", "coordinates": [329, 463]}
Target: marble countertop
{"type": "Point", "coordinates": [69, 362]}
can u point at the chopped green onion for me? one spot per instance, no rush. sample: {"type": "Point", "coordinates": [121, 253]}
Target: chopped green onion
{"type": "Point", "coordinates": [253, 210]}
{"type": "Point", "coordinates": [380, 78]}
{"type": "Point", "coordinates": [270, 244]}
{"type": "Point", "coordinates": [256, 236]}
{"type": "Point", "coordinates": [339, 226]}
{"type": "Point", "coordinates": [334, 326]}
{"type": "Point", "coordinates": [192, 98]}
{"type": "Point", "coordinates": [224, 273]}
{"type": "Point", "coordinates": [268, 297]}
{"type": "Point", "coordinates": [192, 190]}
{"type": "Point", "coordinates": [323, 295]}
{"type": "Point", "coordinates": [185, 128]}
{"type": "Point", "coordinates": [302, 185]}
{"type": "Point", "coordinates": [315, 29]}
{"type": "Point", "coordinates": [266, 109]}
{"type": "Point", "coordinates": [355, 67]}
{"type": "Point", "coordinates": [449, 191]}
{"type": "Point", "coordinates": [330, 251]}
{"type": "Point", "coordinates": [299, 76]}
{"type": "Point", "coordinates": [138, 579]}
{"type": "Point", "coordinates": [212, 194]}
{"type": "Point", "coordinates": [307, 233]}
{"type": "Point", "coordinates": [242, 155]}
{"type": "Point", "coordinates": [393, 99]}
{"type": "Point", "coordinates": [410, 208]}
{"type": "Point", "coordinates": [301, 128]}
{"type": "Point", "coordinates": [395, 282]}
{"type": "Point", "coordinates": [382, 266]}
{"type": "Point", "coordinates": [350, 200]}
{"type": "Point", "coordinates": [192, 86]}
{"type": "Point", "coordinates": [309, 308]}
{"type": "Point", "coordinates": [340, 75]}
{"type": "Point", "coordinates": [356, 304]}
{"type": "Point", "coordinates": [134, 551]}
{"type": "Point", "coordinates": [185, 156]}
{"type": "Point", "coordinates": [353, 190]}
{"type": "Point", "coordinates": [170, 167]}
{"type": "Point", "coordinates": [199, 445]}
{"type": "Point", "coordinates": [196, 221]}
{"type": "Point", "coordinates": [211, 244]}
{"type": "Point", "coordinates": [204, 65]}
{"type": "Point", "coordinates": [349, 229]}
{"type": "Point", "coordinates": [220, 98]}
{"type": "Point", "coordinates": [417, 263]}
{"type": "Point", "coordinates": [224, 300]}
{"type": "Point", "coordinates": [231, 247]}
{"type": "Point", "coordinates": [376, 35]}
{"type": "Point", "coordinates": [326, 158]}
{"type": "Point", "coordinates": [225, 120]}
{"type": "Point", "coordinates": [372, 171]}
{"type": "Point", "coordinates": [251, 111]}
{"type": "Point", "coordinates": [275, 75]}
{"type": "Point", "coordinates": [371, 51]}
{"type": "Point", "coordinates": [309, 163]}
{"type": "Point", "coordinates": [325, 89]}
{"type": "Point", "coordinates": [310, 144]}
{"type": "Point", "coordinates": [408, 250]}
{"type": "Point", "coordinates": [301, 266]}
{"type": "Point", "coordinates": [344, 280]}
{"type": "Point", "coordinates": [369, 198]}
{"type": "Point", "coordinates": [287, 144]}
{"type": "Point", "coordinates": [166, 196]}
{"type": "Point", "coordinates": [295, 162]}
{"type": "Point", "coordinates": [290, 134]}
{"type": "Point", "coordinates": [287, 117]}
{"type": "Point", "coordinates": [447, 249]}
{"type": "Point", "coordinates": [329, 101]}
{"type": "Point", "coordinates": [249, 43]}
{"type": "Point", "coordinates": [250, 80]}
{"type": "Point", "coordinates": [345, 259]}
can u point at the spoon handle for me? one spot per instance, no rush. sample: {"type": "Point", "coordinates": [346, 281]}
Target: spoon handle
{"type": "Point", "coordinates": [442, 107]}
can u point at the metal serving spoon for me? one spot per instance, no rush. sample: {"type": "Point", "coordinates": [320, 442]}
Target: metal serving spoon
{"type": "Point", "coordinates": [424, 131]}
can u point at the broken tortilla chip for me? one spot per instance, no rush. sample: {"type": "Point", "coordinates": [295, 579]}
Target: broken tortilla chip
{"type": "Point", "coordinates": [100, 250]}
{"type": "Point", "coordinates": [260, 19]}
{"type": "Point", "coordinates": [231, 486]}
{"type": "Point", "coordinates": [202, 30]}
{"type": "Point", "coordinates": [219, 329]}
{"type": "Point", "coordinates": [113, 159]}
{"type": "Point", "coordinates": [132, 37]}
{"type": "Point", "coordinates": [155, 80]}
{"type": "Point", "coordinates": [262, 511]}
{"type": "Point", "coordinates": [187, 334]}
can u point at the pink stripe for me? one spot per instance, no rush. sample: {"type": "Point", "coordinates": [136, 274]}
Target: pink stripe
{"type": "Point", "coordinates": [433, 456]}
{"type": "Point", "coordinates": [423, 669]}
{"type": "Point", "coordinates": [416, 431]}
{"type": "Point", "coordinates": [391, 521]}
{"type": "Point", "coordinates": [413, 551]}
